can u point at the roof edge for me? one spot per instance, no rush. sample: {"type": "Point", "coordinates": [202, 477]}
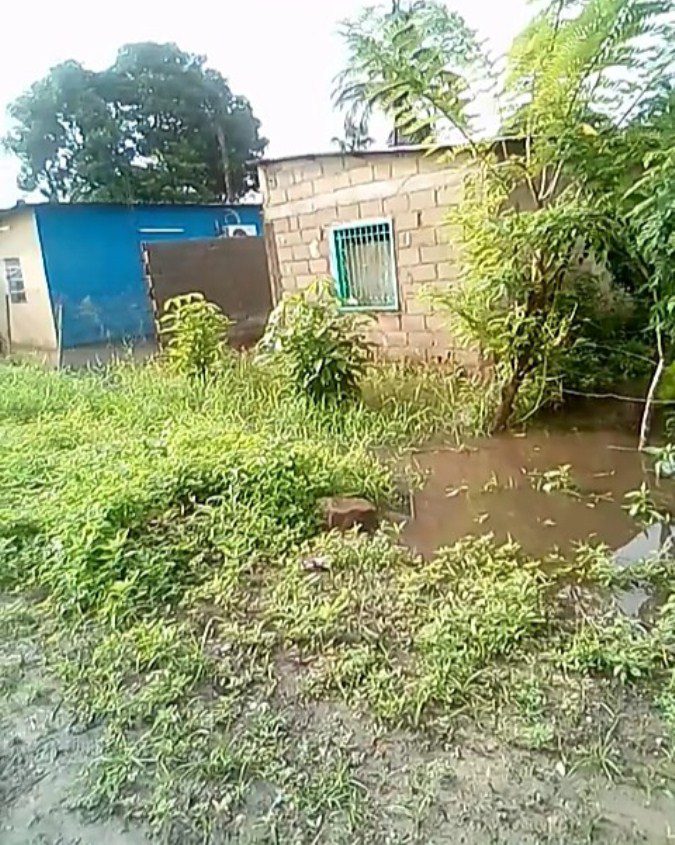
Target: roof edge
{"type": "Point", "coordinates": [402, 149]}
{"type": "Point", "coordinates": [29, 206]}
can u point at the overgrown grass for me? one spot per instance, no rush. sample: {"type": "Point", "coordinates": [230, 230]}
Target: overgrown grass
{"type": "Point", "coordinates": [171, 530]}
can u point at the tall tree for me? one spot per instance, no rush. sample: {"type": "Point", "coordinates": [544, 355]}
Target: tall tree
{"type": "Point", "coordinates": [158, 125]}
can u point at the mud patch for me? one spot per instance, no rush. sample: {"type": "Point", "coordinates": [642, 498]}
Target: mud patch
{"type": "Point", "coordinates": [378, 786]}
{"type": "Point", "coordinates": [42, 755]}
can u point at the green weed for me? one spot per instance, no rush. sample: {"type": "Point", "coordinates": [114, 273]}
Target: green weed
{"type": "Point", "coordinates": [170, 530]}
{"type": "Point", "coordinates": [556, 480]}
{"type": "Point", "coordinates": [194, 333]}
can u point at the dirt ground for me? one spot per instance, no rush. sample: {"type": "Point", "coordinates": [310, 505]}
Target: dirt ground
{"type": "Point", "coordinates": [470, 790]}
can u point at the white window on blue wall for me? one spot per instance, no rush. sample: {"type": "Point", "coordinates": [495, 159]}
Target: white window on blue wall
{"type": "Point", "coordinates": [14, 280]}
{"type": "Point", "coordinates": [363, 265]}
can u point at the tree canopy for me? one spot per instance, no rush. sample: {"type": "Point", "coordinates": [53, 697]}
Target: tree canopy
{"type": "Point", "coordinates": [158, 125]}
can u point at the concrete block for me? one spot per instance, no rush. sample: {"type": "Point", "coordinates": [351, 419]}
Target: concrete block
{"type": "Point", "coordinates": [433, 216]}
{"type": "Point", "coordinates": [405, 164]}
{"type": "Point", "coordinates": [308, 171]}
{"type": "Point", "coordinates": [319, 266]}
{"type": "Point", "coordinates": [450, 195]}
{"type": "Point", "coordinates": [420, 339]}
{"type": "Point", "coordinates": [389, 323]}
{"type": "Point", "coordinates": [396, 338]}
{"type": "Point", "coordinates": [289, 239]}
{"type": "Point", "coordinates": [448, 271]}
{"type": "Point", "coordinates": [348, 213]}
{"type": "Point", "coordinates": [406, 220]}
{"type": "Point", "coordinates": [413, 323]}
{"type": "Point", "coordinates": [308, 223]}
{"type": "Point", "coordinates": [413, 305]}
{"type": "Point", "coordinates": [423, 273]}
{"type": "Point", "coordinates": [436, 323]}
{"type": "Point", "coordinates": [310, 234]}
{"type": "Point", "coordinates": [304, 281]}
{"type": "Point", "coordinates": [423, 237]}
{"type": "Point", "coordinates": [446, 234]}
{"type": "Point", "coordinates": [326, 217]}
{"type": "Point", "coordinates": [433, 254]}
{"type": "Point", "coordinates": [408, 257]}
{"type": "Point", "coordinates": [333, 165]}
{"type": "Point", "coordinates": [335, 182]}
{"type": "Point", "coordinates": [361, 175]}
{"type": "Point", "coordinates": [285, 254]}
{"type": "Point", "coordinates": [393, 353]}
{"type": "Point", "coordinates": [435, 161]}
{"type": "Point", "coordinates": [281, 179]}
{"type": "Point", "coordinates": [420, 200]}
{"type": "Point", "coordinates": [382, 169]}
{"type": "Point", "coordinates": [346, 197]}
{"type": "Point", "coordinates": [370, 209]}
{"type": "Point", "coordinates": [300, 191]}
{"type": "Point", "coordinates": [296, 268]}
{"type": "Point", "coordinates": [301, 252]}
{"type": "Point", "coordinates": [396, 204]}
{"type": "Point", "coordinates": [277, 196]}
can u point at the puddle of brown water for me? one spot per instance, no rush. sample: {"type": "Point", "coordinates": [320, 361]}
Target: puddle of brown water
{"type": "Point", "coordinates": [604, 461]}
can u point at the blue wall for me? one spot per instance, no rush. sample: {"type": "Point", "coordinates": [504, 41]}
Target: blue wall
{"type": "Point", "coordinates": [92, 256]}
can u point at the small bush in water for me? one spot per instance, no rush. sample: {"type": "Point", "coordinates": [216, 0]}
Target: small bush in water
{"type": "Point", "coordinates": [319, 347]}
{"type": "Point", "coordinates": [194, 332]}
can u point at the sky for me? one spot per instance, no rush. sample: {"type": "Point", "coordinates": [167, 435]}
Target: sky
{"type": "Point", "coordinates": [281, 54]}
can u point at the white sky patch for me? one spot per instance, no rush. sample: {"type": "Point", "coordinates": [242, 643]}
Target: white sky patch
{"type": "Point", "coordinates": [281, 54]}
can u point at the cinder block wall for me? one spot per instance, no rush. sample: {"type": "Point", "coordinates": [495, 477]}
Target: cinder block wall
{"type": "Point", "coordinates": [302, 197]}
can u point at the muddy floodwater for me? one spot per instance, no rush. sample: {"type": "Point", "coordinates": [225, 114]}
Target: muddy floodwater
{"type": "Point", "coordinates": [489, 485]}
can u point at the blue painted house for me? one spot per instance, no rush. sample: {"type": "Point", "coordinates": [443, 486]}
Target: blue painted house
{"type": "Point", "coordinates": [80, 265]}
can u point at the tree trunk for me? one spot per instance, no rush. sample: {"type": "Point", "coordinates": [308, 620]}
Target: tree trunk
{"type": "Point", "coordinates": [225, 158]}
{"type": "Point", "coordinates": [505, 409]}
{"type": "Point", "coordinates": [645, 423]}
{"type": "Point", "coordinates": [653, 385]}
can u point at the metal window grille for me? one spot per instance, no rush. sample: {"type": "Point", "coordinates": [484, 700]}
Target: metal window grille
{"type": "Point", "coordinates": [14, 279]}
{"type": "Point", "coordinates": [363, 265]}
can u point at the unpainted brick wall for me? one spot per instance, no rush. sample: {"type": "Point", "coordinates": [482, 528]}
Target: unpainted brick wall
{"type": "Point", "coordinates": [303, 197]}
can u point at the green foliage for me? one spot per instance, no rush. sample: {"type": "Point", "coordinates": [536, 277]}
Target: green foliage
{"type": "Point", "coordinates": [194, 333]}
{"type": "Point", "coordinates": [356, 135]}
{"type": "Point", "coordinates": [154, 515]}
{"type": "Point", "coordinates": [540, 214]}
{"type": "Point", "coordinates": [156, 126]}
{"type": "Point", "coordinates": [615, 647]}
{"type": "Point", "coordinates": [413, 64]}
{"type": "Point", "coordinates": [319, 348]}
{"type": "Point", "coordinates": [642, 508]}
{"type": "Point", "coordinates": [576, 62]}
{"type": "Point", "coordinates": [556, 480]}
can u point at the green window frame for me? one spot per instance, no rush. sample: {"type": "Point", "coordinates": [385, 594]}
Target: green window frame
{"type": "Point", "coordinates": [363, 265]}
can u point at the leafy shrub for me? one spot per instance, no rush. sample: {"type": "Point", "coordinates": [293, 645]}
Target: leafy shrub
{"type": "Point", "coordinates": [195, 335]}
{"type": "Point", "coordinates": [318, 346]}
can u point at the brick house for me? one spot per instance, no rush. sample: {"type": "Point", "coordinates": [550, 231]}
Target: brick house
{"type": "Point", "coordinates": [375, 222]}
